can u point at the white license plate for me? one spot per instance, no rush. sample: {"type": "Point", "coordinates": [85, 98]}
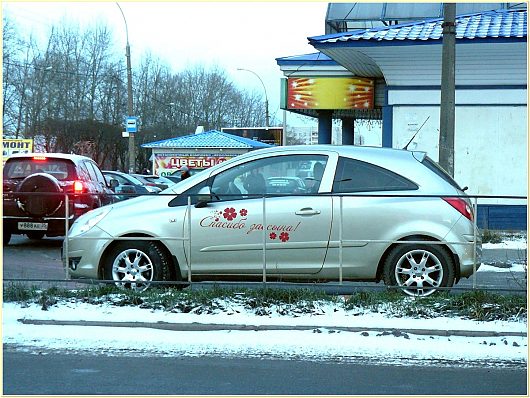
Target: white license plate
{"type": "Point", "coordinates": [33, 226]}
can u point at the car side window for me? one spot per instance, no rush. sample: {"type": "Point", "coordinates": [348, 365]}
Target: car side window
{"type": "Point", "coordinates": [119, 178]}
{"type": "Point", "coordinates": [91, 172]}
{"type": "Point", "coordinates": [357, 176]}
{"type": "Point", "coordinates": [279, 175]}
{"type": "Point", "coordinates": [182, 199]}
{"type": "Point", "coordinates": [83, 172]}
{"type": "Point", "coordinates": [99, 175]}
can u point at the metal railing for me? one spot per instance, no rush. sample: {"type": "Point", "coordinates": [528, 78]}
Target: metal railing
{"type": "Point", "coordinates": [187, 236]}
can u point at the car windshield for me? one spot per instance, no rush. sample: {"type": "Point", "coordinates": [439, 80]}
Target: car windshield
{"type": "Point", "coordinates": [61, 169]}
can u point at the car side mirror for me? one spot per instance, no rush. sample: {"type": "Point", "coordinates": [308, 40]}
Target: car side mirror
{"type": "Point", "coordinates": [204, 196]}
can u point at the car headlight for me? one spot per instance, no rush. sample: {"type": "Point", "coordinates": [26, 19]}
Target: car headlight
{"type": "Point", "coordinates": [87, 221]}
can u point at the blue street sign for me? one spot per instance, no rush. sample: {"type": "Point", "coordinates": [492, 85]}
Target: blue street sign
{"type": "Point", "coordinates": [131, 125]}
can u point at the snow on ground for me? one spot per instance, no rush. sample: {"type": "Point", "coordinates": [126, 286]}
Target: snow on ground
{"type": "Point", "coordinates": [520, 243]}
{"type": "Point", "coordinates": [321, 342]}
{"type": "Point", "coordinates": [493, 268]}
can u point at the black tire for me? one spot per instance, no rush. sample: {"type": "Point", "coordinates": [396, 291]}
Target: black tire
{"type": "Point", "coordinates": [40, 205]}
{"type": "Point", "coordinates": [419, 270]}
{"type": "Point", "coordinates": [153, 264]}
{"type": "Point", "coordinates": [35, 235]}
{"type": "Point", "coordinates": [6, 237]}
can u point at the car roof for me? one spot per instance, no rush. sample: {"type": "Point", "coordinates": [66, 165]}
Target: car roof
{"type": "Point", "coordinates": [384, 157]}
{"type": "Point", "coordinates": [66, 156]}
{"type": "Point", "coordinates": [357, 151]}
{"type": "Point", "coordinates": [115, 172]}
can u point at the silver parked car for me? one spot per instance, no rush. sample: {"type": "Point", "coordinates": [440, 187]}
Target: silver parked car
{"type": "Point", "coordinates": [365, 214]}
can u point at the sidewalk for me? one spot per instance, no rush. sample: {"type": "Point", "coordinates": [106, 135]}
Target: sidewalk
{"type": "Point", "coordinates": [325, 333]}
{"type": "Point", "coordinates": [201, 327]}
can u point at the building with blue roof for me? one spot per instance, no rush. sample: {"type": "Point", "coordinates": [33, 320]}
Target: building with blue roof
{"type": "Point", "coordinates": [404, 63]}
{"type": "Point", "coordinates": [198, 151]}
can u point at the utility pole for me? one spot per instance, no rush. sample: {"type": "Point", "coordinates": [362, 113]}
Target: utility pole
{"type": "Point", "coordinates": [132, 155]}
{"type": "Point", "coordinates": [447, 104]}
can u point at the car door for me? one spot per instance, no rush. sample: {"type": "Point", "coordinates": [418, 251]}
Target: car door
{"type": "Point", "coordinates": [228, 234]}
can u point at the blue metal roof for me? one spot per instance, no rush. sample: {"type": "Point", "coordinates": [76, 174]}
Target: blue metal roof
{"type": "Point", "coordinates": [306, 59]}
{"type": "Point", "coordinates": [483, 25]}
{"type": "Point", "coordinates": [208, 139]}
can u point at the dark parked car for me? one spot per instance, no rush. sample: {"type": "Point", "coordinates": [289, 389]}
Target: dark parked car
{"type": "Point", "coordinates": [154, 180]}
{"type": "Point", "coordinates": [176, 175]}
{"type": "Point", "coordinates": [35, 185]}
{"type": "Point", "coordinates": [128, 185]}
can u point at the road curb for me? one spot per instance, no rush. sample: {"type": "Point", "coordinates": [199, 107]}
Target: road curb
{"type": "Point", "coordinates": [201, 327]}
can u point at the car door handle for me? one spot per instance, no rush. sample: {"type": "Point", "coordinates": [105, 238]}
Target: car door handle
{"type": "Point", "coordinates": [307, 212]}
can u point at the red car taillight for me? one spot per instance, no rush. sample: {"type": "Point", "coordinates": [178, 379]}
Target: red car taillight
{"type": "Point", "coordinates": [78, 187]}
{"type": "Point", "coordinates": [462, 206]}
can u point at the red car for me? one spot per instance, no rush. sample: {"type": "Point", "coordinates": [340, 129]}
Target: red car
{"type": "Point", "coordinates": [35, 185]}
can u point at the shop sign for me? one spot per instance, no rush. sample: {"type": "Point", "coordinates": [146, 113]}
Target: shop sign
{"type": "Point", "coordinates": [12, 146]}
{"type": "Point", "coordinates": [166, 164]}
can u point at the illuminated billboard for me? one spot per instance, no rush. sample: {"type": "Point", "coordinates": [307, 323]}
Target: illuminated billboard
{"type": "Point", "coordinates": [330, 93]}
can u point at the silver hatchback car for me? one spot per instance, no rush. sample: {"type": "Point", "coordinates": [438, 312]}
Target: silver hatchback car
{"type": "Point", "coordinates": [362, 214]}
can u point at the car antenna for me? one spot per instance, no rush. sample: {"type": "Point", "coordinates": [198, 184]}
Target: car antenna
{"type": "Point", "coordinates": [416, 133]}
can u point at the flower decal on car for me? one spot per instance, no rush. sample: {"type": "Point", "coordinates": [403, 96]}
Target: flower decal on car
{"type": "Point", "coordinates": [243, 212]}
{"type": "Point", "coordinates": [230, 213]}
{"type": "Point", "coordinates": [272, 236]}
{"type": "Point", "coordinates": [284, 236]}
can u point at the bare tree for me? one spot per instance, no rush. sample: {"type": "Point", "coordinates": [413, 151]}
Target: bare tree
{"type": "Point", "coordinates": [71, 94]}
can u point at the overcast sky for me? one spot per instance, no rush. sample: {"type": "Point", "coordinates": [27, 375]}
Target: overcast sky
{"type": "Point", "coordinates": [232, 35]}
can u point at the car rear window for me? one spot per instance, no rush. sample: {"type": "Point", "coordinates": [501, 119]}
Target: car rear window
{"type": "Point", "coordinates": [436, 169]}
{"type": "Point", "coordinates": [356, 176]}
{"type": "Point", "coordinates": [20, 168]}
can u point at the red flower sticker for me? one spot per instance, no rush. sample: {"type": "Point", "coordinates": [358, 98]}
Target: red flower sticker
{"type": "Point", "coordinates": [284, 236]}
{"type": "Point", "coordinates": [272, 235]}
{"type": "Point", "coordinates": [243, 212]}
{"type": "Point", "coordinates": [230, 213]}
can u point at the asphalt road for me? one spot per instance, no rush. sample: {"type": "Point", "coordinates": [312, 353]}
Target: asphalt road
{"type": "Point", "coordinates": [55, 373]}
{"type": "Point", "coordinates": [41, 259]}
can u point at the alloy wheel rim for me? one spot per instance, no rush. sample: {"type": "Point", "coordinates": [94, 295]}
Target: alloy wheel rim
{"type": "Point", "coordinates": [419, 272]}
{"type": "Point", "coordinates": [133, 269]}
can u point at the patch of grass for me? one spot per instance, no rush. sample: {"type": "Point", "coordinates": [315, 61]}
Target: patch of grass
{"type": "Point", "coordinates": [489, 236]}
{"type": "Point", "coordinates": [484, 306]}
{"type": "Point", "coordinates": [476, 305]}
{"type": "Point", "coordinates": [373, 300]}
{"type": "Point", "coordinates": [18, 292]}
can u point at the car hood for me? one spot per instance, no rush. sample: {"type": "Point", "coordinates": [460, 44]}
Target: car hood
{"type": "Point", "coordinates": [136, 205]}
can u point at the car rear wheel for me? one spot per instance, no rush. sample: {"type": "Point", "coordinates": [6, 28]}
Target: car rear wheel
{"type": "Point", "coordinates": [134, 264]}
{"type": "Point", "coordinates": [419, 270]}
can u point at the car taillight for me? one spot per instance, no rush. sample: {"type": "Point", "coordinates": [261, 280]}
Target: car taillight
{"type": "Point", "coordinates": [78, 187]}
{"type": "Point", "coordinates": [462, 206]}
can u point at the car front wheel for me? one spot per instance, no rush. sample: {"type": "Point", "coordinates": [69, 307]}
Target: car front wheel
{"type": "Point", "coordinates": [134, 264]}
{"type": "Point", "coordinates": [419, 270]}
